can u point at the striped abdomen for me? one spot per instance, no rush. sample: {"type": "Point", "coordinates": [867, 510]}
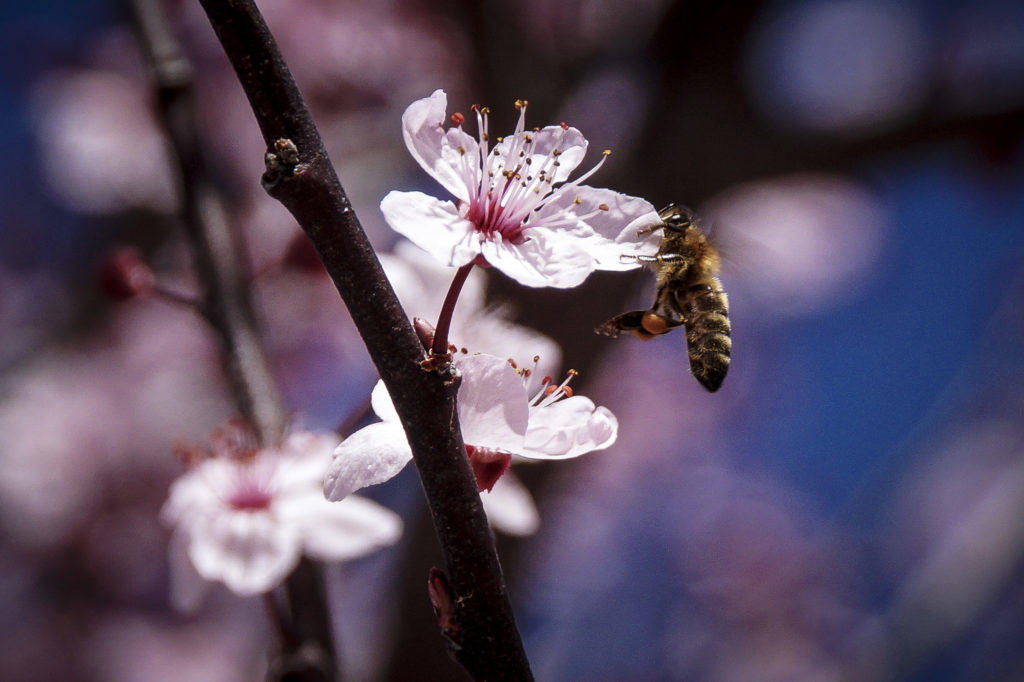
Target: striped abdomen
{"type": "Point", "coordinates": [706, 316]}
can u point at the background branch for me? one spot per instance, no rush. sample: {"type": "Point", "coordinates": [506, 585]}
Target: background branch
{"type": "Point", "coordinates": [488, 646]}
{"type": "Point", "coordinates": [308, 651]}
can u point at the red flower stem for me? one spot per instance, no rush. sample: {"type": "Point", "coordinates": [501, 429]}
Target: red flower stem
{"type": "Point", "coordinates": [444, 318]}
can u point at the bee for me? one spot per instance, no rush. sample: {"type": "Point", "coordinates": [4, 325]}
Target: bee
{"type": "Point", "coordinates": [689, 295]}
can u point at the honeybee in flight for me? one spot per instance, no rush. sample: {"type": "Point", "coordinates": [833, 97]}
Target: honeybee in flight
{"type": "Point", "coordinates": [689, 294]}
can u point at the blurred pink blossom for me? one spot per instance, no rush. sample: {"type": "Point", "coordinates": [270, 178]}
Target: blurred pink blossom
{"type": "Point", "coordinates": [101, 145]}
{"type": "Point", "coordinates": [136, 647]}
{"type": "Point", "coordinates": [839, 65]}
{"type": "Point", "coordinates": [797, 243]}
{"type": "Point", "coordinates": [245, 515]}
{"type": "Point", "coordinates": [79, 419]}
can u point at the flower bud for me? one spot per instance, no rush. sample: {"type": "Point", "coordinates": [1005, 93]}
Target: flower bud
{"type": "Point", "coordinates": [301, 255]}
{"type": "Point", "coordinates": [123, 275]}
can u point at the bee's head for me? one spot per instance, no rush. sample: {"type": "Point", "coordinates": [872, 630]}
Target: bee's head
{"type": "Point", "coordinates": [677, 218]}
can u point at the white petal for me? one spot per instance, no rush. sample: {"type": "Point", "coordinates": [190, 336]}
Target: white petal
{"type": "Point", "coordinates": [492, 403]}
{"type": "Point", "coordinates": [250, 552]}
{"type": "Point", "coordinates": [570, 142]}
{"type": "Point", "coordinates": [198, 491]}
{"type": "Point", "coordinates": [438, 150]}
{"type": "Point", "coordinates": [606, 234]}
{"type": "Point", "coordinates": [510, 507]}
{"type": "Point", "coordinates": [433, 225]}
{"type": "Point", "coordinates": [421, 282]}
{"type": "Point", "coordinates": [380, 401]}
{"type": "Point", "coordinates": [489, 332]}
{"type": "Point", "coordinates": [309, 444]}
{"type": "Point", "coordinates": [547, 258]}
{"type": "Point", "coordinates": [569, 428]}
{"type": "Point", "coordinates": [187, 587]}
{"type": "Point", "coordinates": [339, 531]}
{"type": "Point", "coordinates": [301, 462]}
{"type": "Point", "coordinates": [371, 455]}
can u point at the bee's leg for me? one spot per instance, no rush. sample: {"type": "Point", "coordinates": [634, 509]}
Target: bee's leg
{"type": "Point", "coordinates": [643, 324]}
{"type": "Point", "coordinates": [644, 231]}
{"type": "Point", "coordinates": [666, 314]}
{"type": "Point", "coordinates": [626, 322]}
{"type": "Point", "coordinates": [654, 323]}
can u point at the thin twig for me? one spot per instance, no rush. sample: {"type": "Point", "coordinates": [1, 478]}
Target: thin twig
{"type": "Point", "coordinates": [308, 651]}
{"type": "Point", "coordinates": [301, 177]}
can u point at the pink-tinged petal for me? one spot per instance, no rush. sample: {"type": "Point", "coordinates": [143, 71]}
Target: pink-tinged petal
{"type": "Point", "coordinates": [569, 142]}
{"type": "Point", "coordinates": [545, 259]}
{"type": "Point", "coordinates": [309, 445]}
{"type": "Point", "coordinates": [569, 428]}
{"type": "Point", "coordinates": [371, 455]}
{"type": "Point", "coordinates": [433, 225]}
{"type": "Point", "coordinates": [187, 587]}
{"type": "Point", "coordinates": [487, 332]}
{"type": "Point", "coordinates": [339, 531]}
{"type": "Point", "coordinates": [510, 507]}
{"type": "Point", "coordinates": [250, 552]}
{"type": "Point", "coordinates": [450, 156]}
{"type": "Point", "coordinates": [380, 401]}
{"type": "Point", "coordinates": [492, 403]}
{"type": "Point", "coordinates": [301, 462]}
{"type": "Point", "coordinates": [421, 282]}
{"type": "Point", "coordinates": [197, 491]}
{"type": "Point", "coordinates": [607, 224]}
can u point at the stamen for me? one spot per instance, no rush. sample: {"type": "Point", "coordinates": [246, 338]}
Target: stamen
{"type": "Point", "coordinates": [554, 393]}
{"type": "Point", "coordinates": [574, 183]}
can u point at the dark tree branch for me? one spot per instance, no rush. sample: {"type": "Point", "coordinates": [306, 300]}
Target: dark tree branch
{"type": "Point", "coordinates": [301, 177]}
{"type": "Point", "coordinates": [307, 644]}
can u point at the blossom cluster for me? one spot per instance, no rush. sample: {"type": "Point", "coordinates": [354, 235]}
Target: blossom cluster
{"type": "Point", "coordinates": [245, 514]}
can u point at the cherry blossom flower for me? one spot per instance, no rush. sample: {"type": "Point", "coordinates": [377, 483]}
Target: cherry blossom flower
{"type": "Point", "coordinates": [499, 420]}
{"type": "Point", "coordinates": [245, 515]}
{"type": "Point", "coordinates": [515, 208]}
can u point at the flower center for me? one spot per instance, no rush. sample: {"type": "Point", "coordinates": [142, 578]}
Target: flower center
{"type": "Point", "coordinates": [251, 491]}
{"type": "Point", "coordinates": [515, 179]}
{"type": "Point", "coordinates": [250, 500]}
